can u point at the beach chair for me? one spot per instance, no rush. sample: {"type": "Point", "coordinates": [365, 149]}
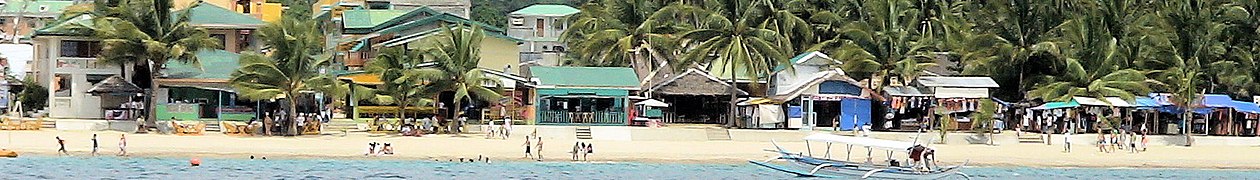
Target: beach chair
{"type": "Point", "coordinates": [228, 128]}
{"type": "Point", "coordinates": [178, 130]}
{"type": "Point", "coordinates": [311, 128]}
{"type": "Point", "coordinates": [199, 129]}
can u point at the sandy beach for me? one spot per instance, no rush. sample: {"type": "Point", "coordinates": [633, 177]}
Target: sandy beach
{"type": "Point", "coordinates": [447, 147]}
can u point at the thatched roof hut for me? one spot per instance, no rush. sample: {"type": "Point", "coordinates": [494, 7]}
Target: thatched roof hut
{"type": "Point", "coordinates": [115, 85]}
{"type": "Point", "coordinates": [694, 82]}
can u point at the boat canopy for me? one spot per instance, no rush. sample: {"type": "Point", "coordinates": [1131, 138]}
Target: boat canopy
{"type": "Point", "coordinates": [862, 141]}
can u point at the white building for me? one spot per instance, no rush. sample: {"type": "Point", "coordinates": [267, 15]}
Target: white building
{"type": "Point", "coordinates": [540, 26]}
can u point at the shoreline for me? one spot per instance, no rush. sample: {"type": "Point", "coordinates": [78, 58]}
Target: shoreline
{"type": "Point", "coordinates": [445, 147]}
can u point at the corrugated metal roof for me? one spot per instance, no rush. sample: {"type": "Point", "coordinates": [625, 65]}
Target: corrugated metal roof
{"type": "Point", "coordinates": [368, 18]}
{"type": "Point", "coordinates": [944, 92]}
{"type": "Point", "coordinates": [215, 64]}
{"type": "Point", "coordinates": [613, 77]}
{"type": "Point", "coordinates": [1109, 101]}
{"type": "Point", "coordinates": [546, 10]}
{"type": "Point", "coordinates": [206, 14]}
{"type": "Point", "coordinates": [904, 91]}
{"type": "Point", "coordinates": [970, 82]}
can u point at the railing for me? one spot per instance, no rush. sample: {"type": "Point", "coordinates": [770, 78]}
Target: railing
{"type": "Point", "coordinates": [85, 63]}
{"type": "Point", "coordinates": [594, 118]}
{"type": "Point", "coordinates": [672, 118]}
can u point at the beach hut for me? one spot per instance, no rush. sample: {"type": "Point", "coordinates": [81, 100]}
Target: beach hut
{"type": "Point", "coordinates": [695, 96]}
{"type": "Point", "coordinates": [908, 107]}
{"type": "Point", "coordinates": [583, 95]}
{"type": "Point", "coordinates": [957, 97]}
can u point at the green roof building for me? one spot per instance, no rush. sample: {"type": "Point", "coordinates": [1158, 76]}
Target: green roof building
{"type": "Point", "coordinates": [583, 95]}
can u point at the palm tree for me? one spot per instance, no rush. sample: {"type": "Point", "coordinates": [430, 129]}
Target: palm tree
{"type": "Point", "coordinates": [398, 67]}
{"type": "Point", "coordinates": [889, 31]}
{"type": "Point", "coordinates": [733, 40]}
{"type": "Point", "coordinates": [143, 33]}
{"type": "Point", "coordinates": [1092, 67]}
{"type": "Point", "coordinates": [456, 55]}
{"type": "Point", "coordinates": [292, 67]}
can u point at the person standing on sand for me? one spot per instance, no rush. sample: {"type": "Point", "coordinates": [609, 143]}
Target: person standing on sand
{"type": "Point", "coordinates": [539, 149]}
{"type": "Point", "coordinates": [1067, 143]}
{"type": "Point", "coordinates": [528, 153]}
{"type": "Point", "coordinates": [577, 147]}
{"type": "Point", "coordinates": [62, 143]}
{"type": "Point", "coordinates": [122, 145]}
{"type": "Point", "coordinates": [1102, 143]}
{"type": "Point", "coordinates": [95, 146]}
{"type": "Point", "coordinates": [590, 149]}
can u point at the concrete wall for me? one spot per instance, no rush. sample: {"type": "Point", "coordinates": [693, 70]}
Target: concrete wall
{"type": "Point", "coordinates": [96, 125]}
{"type": "Point", "coordinates": [671, 134]}
{"type": "Point", "coordinates": [76, 104]}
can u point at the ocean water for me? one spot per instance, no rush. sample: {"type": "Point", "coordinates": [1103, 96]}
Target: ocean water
{"type": "Point", "coordinates": [177, 168]}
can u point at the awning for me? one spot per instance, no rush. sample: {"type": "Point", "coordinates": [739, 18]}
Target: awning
{"type": "Point", "coordinates": [1145, 102]}
{"type": "Point", "coordinates": [1057, 105]}
{"type": "Point", "coordinates": [961, 93]}
{"type": "Point", "coordinates": [114, 85]}
{"type": "Point", "coordinates": [1109, 101]}
{"type": "Point", "coordinates": [755, 101]}
{"type": "Point", "coordinates": [904, 91]}
{"type": "Point", "coordinates": [862, 141]}
{"type": "Point", "coordinates": [652, 103]}
{"type": "Point", "coordinates": [363, 78]}
{"type": "Point", "coordinates": [1224, 101]}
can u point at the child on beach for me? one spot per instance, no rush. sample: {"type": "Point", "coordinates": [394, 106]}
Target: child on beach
{"type": "Point", "coordinates": [528, 153]}
{"type": "Point", "coordinates": [1067, 143]}
{"type": "Point", "coordinates": [589, 150]}
{"type": "Point", "coordinates": [1102, 143]}
{"type": "Point", "coordinates": [577, 148]}
{"type": "Point", "coordinates": [122, 145]}
{"type": "Point", "coordinates": [95, 146]}
{"type": "Point", "coordinates": [1132, 142]}
{"type": "Point", "coordinates": [62, 143]}
{"type": "Point", "coordinates": [539, 149]}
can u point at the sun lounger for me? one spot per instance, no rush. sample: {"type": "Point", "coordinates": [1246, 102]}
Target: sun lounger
{"type": "Point", "coordinates": [199, 129]}
{"type": "Point", "coordinates": [179, 130]}
{"type": "Point", "coordinates": [228, 128]}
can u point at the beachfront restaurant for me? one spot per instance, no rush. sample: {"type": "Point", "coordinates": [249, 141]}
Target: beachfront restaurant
{"type": "Point", "coordinates": [583, 95]}
{"type": "Point", "coordinates": [694, 97]}
{"type": "Point", "coordinates": [190, 92]}
{"type": "Point", "coordinates": [957, 97]}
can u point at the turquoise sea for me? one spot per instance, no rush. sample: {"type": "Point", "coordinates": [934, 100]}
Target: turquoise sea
{"type": "Point", "coordinates": [177, 168]}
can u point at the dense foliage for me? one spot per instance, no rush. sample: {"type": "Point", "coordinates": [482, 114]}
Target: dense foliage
{"type": "Point", "coordinates": [1046, 50]}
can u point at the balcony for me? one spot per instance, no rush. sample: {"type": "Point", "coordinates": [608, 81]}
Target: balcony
{"type": "Point", "coordinates": [81, 63]}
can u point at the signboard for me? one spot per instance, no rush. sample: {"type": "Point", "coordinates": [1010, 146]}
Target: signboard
{"type": "Point", "coordinates": [829, 97]}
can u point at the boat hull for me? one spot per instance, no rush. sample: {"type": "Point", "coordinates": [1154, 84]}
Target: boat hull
{"type": "Point", "coordinates": [842, 171]}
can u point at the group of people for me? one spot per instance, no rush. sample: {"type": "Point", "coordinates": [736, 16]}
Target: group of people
{"type": "Point", "coordinates": [96, 146]}
{"type": "Point", "coordinates": [384, 149]}
{"type": "Point", "coordinates": [278, 121]}
{"type": "Point", "coordinates": [498, 131]}
{"type": "Point", "coordinates": [1119, 139]}
{"type": "Point", "coordinates": [582, 148]}
{"type": "Point", "coordinates": [538, 145]}
{"type": "Point", "coordinates": [417, 127]}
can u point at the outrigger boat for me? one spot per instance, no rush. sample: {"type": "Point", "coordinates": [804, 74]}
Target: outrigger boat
{"type": "Point", "coordinates": [921, 158]}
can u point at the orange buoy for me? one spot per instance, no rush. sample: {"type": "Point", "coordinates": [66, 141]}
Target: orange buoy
{"type": "Point", "coordinates": [194, 162]}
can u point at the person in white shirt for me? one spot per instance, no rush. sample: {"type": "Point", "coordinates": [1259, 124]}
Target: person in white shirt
{"type": "Point", "coordinates": [866, 130]}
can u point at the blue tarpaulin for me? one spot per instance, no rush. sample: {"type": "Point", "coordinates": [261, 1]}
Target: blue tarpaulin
{"type": "Point", "coordinates": [854, 113]}
{"type": "Point", "coordinates": [1145, 103]}
{"type": "Point", "coordinates": [794, 111]}
{"type": "Point", "coordinates": [1224, 101]}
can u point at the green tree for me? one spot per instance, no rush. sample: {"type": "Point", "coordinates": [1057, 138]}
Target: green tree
{"type": "Point", "coordinates": [1092, 68]}
{"type": "Point", "coordinates": [885, 38]}
{"type": "Point", "coordinates": [456, 54]}
{"type": "Point", "coordinates": [982, 119]}
{"type": "Point", "coordinates": [292, 67]}
{"type": "Point", "coordinates": [144, 33]}
{"type": "Point", "coordinates": [398, 68]}
{"type": "Point", "coordinates": [734, 42]}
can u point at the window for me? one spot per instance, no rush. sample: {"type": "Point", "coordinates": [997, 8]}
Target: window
{"type": "Point", "coordinates": [538, 31]}
{"type": "Point", "coordinates": [222, 40]}
{"type": "Point", "coordinates": [518, 21]}
{"type": "Point", "coordinates": [559, 26]}
{"type": "Point", "coordinates": [80, 49]}
{"type": "Point", "coordinates": [62, 87]}
{"type": "Point", "coordinates": [3, 20]}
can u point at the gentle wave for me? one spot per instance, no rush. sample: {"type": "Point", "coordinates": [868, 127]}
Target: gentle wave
{"type": "Point", "coordinates": [174, 168]}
